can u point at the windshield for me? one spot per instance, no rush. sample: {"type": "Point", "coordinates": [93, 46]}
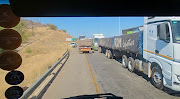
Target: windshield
{"type": "Point", "coordinates": [176, 30]}
{"type": "Point", "coordinates": [73, 57]}
{"type": "Point", "coordinates": [95, 40]}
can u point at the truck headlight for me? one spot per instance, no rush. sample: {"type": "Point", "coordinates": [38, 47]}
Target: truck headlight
{"type": "Point", "coordinates": [178, 77]}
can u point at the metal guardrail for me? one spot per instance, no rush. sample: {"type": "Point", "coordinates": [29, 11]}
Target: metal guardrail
{"type": "Point", "coordinates": [31, 89]}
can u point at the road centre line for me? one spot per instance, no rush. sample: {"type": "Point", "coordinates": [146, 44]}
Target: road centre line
{"type": "Point", "coordinates": [92, 75]}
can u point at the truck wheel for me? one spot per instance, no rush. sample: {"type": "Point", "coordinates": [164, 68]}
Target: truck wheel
{"type": "Point", "coordinates": [109, 54]}
{"type": "Point", "coordinates": [100, 50]}
{"type": "Point", "coordinates": [124, 61]}
{"type": "Point", "coordinates": [157, 78]}
{"type": "Point", "coordinates": [131, 64]}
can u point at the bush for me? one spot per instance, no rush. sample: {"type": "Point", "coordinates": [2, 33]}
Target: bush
{"type": "Point", "coordinates": [52, 26]}
{"type": "Point", "coordinates": [25, 36]}
{"type": "Point", "coordinates": [20, 26]}
{"type": "Point", "coordinates": [28, 50]}
{"type": "Point", "coordinates": [64, 31]}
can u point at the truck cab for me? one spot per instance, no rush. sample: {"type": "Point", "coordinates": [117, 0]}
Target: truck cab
{"type": "Point", "coordinates": [161, 48]}
{"type": "Point", "coordinates": [95, 40]}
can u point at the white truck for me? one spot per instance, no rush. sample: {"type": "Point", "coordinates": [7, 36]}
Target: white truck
{"type": "Point", "coordinates": [95, 40]}
{"type": "Point", "coordinates": [153, 50]}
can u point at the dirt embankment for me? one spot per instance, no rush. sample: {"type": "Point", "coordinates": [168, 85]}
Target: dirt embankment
{"type": "Point", "coordinates": [42, 49]}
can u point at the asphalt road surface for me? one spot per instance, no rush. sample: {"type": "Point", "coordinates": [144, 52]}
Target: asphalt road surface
{"type": "Point", "coordinates": [76, 79]}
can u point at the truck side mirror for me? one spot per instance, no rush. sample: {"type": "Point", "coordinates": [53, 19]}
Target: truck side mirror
{"type": "Point", "coordinates": [163, 32]}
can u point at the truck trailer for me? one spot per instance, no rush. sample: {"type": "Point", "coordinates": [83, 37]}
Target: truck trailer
{"type": "Point", "coordinates": [153, 50]}
{"type": "Point", "coordinates": [85, 45]}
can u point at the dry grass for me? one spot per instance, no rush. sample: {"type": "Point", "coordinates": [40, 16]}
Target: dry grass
{"type": "Point", "coordinates": [44, 52]}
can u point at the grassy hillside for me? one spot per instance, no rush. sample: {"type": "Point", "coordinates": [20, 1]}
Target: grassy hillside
{"type": "Point", "coordinates": [42, 47]}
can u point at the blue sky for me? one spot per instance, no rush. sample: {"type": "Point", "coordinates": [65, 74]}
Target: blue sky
{"type": "Point", "coordinates": [88, 26]}
{"type": "Point", "coordinates": [4, 1]}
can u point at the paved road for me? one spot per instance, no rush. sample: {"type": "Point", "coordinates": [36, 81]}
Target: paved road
{"type": "Point", "coordinates": [75, 79]}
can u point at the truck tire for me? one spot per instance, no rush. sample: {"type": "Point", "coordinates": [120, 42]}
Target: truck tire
{"type": "Point", "coordinates": [100, 50]}
{"type": "Point", "coordinates": [109, 54]}
{"type": "Point", "coordinates": [124, 61]}
{"type": "Point", "coordinates": [131, 64]}
{"type": "Point", "coordinates": [90, 52]}
{"type": "Point", "coordinates": [157, 78]}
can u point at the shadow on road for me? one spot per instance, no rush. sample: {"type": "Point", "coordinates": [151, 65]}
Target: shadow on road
{"type": "Point", "coordinates": [166, 90]}
{"type": "Point", "coordinates": [50, 82]}
{"type": "Point", "coordinates": [136, 72]}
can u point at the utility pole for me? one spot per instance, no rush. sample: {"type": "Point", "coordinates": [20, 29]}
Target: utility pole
{"type": "Point", "coordinates": [101, 28]}
{"type": "Point", "coordinates": [119, 25]}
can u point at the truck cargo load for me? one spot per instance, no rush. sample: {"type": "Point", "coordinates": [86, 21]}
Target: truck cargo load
{"type": "Point", "coordinates": [129, 42]}
{"type": "Point", "coordinates": [106, 42]}
{"type": "Point", "coordinates": [85, 45]}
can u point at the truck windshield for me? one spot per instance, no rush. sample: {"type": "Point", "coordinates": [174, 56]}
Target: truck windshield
{"type": "Point", "coordinates": [95, 40]}
{"type": "Point", "coordinates": [176, 30]}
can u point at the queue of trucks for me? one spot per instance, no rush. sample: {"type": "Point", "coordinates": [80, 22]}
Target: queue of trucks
{"type": "Point", "coordinates": [153, 49]}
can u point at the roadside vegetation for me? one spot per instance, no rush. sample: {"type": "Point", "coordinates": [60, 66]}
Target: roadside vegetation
{"type": "Point", "coordinates": [42, 46]}
{"type": "Point", "coordinates": [21, 28]}
{"type": "Point", "coordinates": [64, 31]}
{"type": "Point", "coordinates": [52, 26]}
{"type": "Point", "coordinates": [28, 50]}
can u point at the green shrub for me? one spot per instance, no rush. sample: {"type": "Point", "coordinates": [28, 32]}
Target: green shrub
{"type": "Point", "coordinates": [28, 50]}
{"type": "Point", "coordinates": [22, 31]}
{"type": "Point", "coordinates": [52, 26]}
{"type": "Point", "coordinates": [25, 36]}
{"type": "Point", "coordinates": [20, 26]}
{"type": "Point", "coordinates": [64, 31]}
